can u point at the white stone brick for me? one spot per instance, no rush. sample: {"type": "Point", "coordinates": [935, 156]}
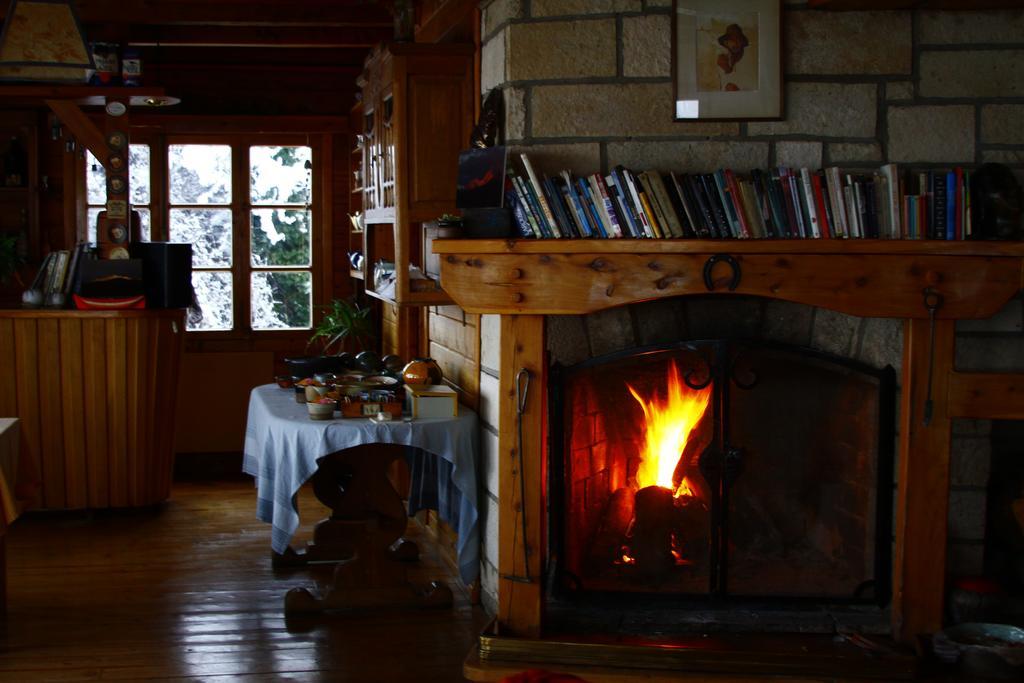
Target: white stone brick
{"type": "Point", "coordinates": [557, 8]}
{"type": "Point", "coordinates": [561, 49]}
{"type": "Point", "coordinates": [825, 110]}
{"type": "Point", "coordinates": [581, 158]}
{"type": "Point", "coordinates": [1002, 124]}
{"type": "Point", "coordinates": [567, 338]}
{"type": "Point", "coordinates": [489, 588]}
{"type": "Point", "coordinates": [967, 515]}
{"type": "Point", "coordinates": [1010, 318]}
{"type": "Point", "coordinates": [1004, 353]}
{"type": "Point", "coordinates": [489, 455]}
{"type": "Point", "coordinates": [489, 529]}
{"type": "Point", "coordinates": [798, 154]}
{"type": "Point", "coordinates": [490, 342]}
{"type": "Point", "coordinates": [943, 134]}
{"type": "Point", "coordinates": [688, 157]}
{"type": "Point", "coordinates": [899, 91]}
{"type": "Point", "coordinates": [613, 110]}
{"type": "Point", "coordinates": [647, 45]}
{"type": "Point", "coordinates": [854, 152]}
{"type": "Point", "coordinates": [970, 460]}
{"type": "Point", "coordinates": [499, 12]}
{"type": "Point", "coordinates": [834, 332]}
{"type": "Point", "coordinates": [610, 330]}
{"type": "Point", "coordinates": [1010, 157]}
{"type": "Point", "coordinates": [961, 28]}
{"type": "Point", "coordinates": [492, 62]}
{"type": "Point", "coordinates": [515, 114]}
{"type": "Point", "coordinates": [490, 400]}
{"type": "Point", "coordinates": [881, 343]}
{"type": "Point", "coordinates": [848, 43]}
{"type": "Point", "coordinates": [972, 73]}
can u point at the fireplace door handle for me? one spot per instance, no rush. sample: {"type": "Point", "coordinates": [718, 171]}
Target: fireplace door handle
{"type": "Point", "coordinates": [734, 282]}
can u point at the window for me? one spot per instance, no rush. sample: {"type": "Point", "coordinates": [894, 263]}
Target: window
{"type": "Point", "coordinates": [259, 241]}
{"type": "Point", "coordinates": [139, 172]}
{"type": "Point", "coordinates": [245, 203]}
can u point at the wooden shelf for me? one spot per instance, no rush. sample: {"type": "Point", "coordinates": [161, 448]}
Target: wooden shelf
{"type": "Point", "coordinates": [433, 298]}
{"type": "Point", "coordinates": [948, 5]}
{"type": "Point", "coordinates": [357, 274]}
{"type": "Point", "coordinates": [869, 278]}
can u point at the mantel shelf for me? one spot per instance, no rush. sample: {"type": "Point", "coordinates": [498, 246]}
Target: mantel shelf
{"type": "Point", "coordinates": [869, 278]}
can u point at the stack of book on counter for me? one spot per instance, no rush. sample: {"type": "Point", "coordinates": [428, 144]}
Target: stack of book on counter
{"type": "Point", "coordinates": [778, 203]}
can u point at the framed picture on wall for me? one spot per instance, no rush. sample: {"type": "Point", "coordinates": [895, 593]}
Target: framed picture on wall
{"type": "Point", "coordinates": [727, 59]}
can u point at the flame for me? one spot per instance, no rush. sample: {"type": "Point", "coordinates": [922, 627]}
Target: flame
{"type": "Point", "coordinates": [667, 427]}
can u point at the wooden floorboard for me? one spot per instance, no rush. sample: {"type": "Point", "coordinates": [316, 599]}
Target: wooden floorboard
{"type": "Point", "coordinates": [185, 592]}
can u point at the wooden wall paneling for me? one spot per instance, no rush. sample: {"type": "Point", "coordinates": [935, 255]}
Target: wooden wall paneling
{"type": "Point", "coordinates": [8, 371]}
{"type": "Point", "coordinates": [51, 406]}
{"type": "Point", "coordinates": [519, 601]}
{"type": "Point", "coordinates": [74, 446]}
{"type": "Point", "coordinates": [167, 352]}
{"type": "Point", "coordinates": [27, 363]}
{"type": "Point", "coordinates": [455, 344]}
{"type": "Point", "coordinates": [93, 396]}
{"type": "Point", "coordinates": [133, 367]}
{"type": "Point", "coordinates": [919, 568]}
{"type": "Point", "coordinates": [117, 407]}
{"type": "Point", "coordinates": [992, 396]}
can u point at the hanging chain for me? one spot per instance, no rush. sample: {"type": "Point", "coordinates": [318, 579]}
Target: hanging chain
{"type": "Point", "coordinates": [933, 302]}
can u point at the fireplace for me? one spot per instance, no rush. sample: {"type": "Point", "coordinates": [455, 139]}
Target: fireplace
{"type": "Point", "coordinates": [722, 474]}
{"type": "Point", "coordinates": [525, 281]}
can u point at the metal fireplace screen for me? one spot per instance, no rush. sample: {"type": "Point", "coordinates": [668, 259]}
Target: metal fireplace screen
{"type": "Point", "coordinates": [726, 469]}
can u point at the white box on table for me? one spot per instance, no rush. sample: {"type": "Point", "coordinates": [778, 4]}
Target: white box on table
{"type": "Point", "coordinates": [432, 400]}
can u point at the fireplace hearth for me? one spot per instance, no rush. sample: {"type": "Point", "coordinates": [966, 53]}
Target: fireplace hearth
{"type": "Point", "coordinates": [733, 484]}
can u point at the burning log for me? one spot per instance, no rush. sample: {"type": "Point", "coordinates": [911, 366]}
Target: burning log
{"type": "Point", "coordinates": [653, 523]}
{"type": "Point", "coordinates": [614, 526]}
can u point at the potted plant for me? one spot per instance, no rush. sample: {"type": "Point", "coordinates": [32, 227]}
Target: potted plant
{"type": "Point", "coordinates": [342, 320]}
{"type": "Point", "coordinates": [10, 259]}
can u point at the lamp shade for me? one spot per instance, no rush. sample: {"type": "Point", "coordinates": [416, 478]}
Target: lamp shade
{"type": "Point", "coordinates": [42, 40]}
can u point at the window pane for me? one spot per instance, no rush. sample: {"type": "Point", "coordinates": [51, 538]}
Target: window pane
{"type": "Point", "coordinates": [138, 173]}
{"type": "Point", "coordinates": [279, 175]}
{"type": "Point", "coordinates": [280, 237]}
{"type": "Point", "coordinates": [90, 223]}
{"type": "Point", "coordinates": [282, 300]}
{"type": "Point", "coordinates": [209, 232]}
{"type": "Point", "coordinates": [95, 181]}
{"type": "Point", "coordinates": [145, 220]}
{"type": "Point", "coordinates": [213, 292]}
{"type": "Point", "coordinates": [199, 174]}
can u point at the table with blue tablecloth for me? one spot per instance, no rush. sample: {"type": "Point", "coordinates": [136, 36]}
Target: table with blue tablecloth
{"type": "Point", "coordinates": [284, 447]}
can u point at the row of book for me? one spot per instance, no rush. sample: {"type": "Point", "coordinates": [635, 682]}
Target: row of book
{"type": "Point", "coordinates": [56, 277]}
{"type": "Point", "coordinates": [781, 202]}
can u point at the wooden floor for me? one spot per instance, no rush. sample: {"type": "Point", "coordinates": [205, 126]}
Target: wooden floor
{"type": "Point", "coordinates": [186, 592]}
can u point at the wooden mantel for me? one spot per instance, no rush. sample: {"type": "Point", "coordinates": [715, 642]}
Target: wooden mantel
{"type": "Point", "coordinates": [524, 280]}
{"type": "Point", "coordinates": [879, 278]}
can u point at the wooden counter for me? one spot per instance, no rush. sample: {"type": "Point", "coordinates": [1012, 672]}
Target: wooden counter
{"type": "Point", "coordinates": [95, 392]}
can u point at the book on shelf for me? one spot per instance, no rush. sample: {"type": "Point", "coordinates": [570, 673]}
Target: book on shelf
{"type": "Point", "coordinates": [887, 202]}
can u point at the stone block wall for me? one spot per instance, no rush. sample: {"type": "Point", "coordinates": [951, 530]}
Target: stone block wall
{"type": "Point", "coordinates": [587, 86]}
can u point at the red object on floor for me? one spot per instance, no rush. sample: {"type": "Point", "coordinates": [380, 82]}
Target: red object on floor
{"type": "Point", "coordinates": [540, 676]}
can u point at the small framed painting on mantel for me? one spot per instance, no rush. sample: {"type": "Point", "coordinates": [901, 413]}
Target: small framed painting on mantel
{"type": "Point", "coordinates": [727, 59]}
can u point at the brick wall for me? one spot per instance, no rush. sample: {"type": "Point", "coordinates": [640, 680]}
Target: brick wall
{"type": "Point", "coordinates": [587, 86]}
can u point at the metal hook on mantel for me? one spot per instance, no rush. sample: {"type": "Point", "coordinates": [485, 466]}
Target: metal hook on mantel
{"type": "Point", "coordinates": [522, 392]}
{"type": "Point", "coordinates": [933, 302]}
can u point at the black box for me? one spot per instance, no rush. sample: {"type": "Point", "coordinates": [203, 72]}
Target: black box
{"type": "Point", "coordinates": [167, 273]}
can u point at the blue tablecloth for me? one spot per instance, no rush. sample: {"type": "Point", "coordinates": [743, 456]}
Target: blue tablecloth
{"type": "Point", "coordinates": [282, 447]}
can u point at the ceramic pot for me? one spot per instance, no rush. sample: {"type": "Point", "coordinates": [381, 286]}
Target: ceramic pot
{"type": "Point", "coordinates": [422, 371]}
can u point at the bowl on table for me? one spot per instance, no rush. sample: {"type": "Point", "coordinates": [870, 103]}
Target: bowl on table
{"type": "Point", "coordinates": [284, 381]}
{"type": "Point", "coordinates": [322, 409]}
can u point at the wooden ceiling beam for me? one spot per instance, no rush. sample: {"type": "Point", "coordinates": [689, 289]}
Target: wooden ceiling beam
{"type": "Point", "coordinates": [279, 37]}
{"type": "Point", "coordinates": [311, 13]}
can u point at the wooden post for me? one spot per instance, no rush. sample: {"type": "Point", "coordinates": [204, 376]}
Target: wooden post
{"type": "Point", "coordinates": [519, 600]}
{"type": "Point", "coordinates": [919, 569]}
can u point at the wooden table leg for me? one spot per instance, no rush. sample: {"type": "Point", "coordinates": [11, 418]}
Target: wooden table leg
{"type": "Point", "coordinates": [366, 525]}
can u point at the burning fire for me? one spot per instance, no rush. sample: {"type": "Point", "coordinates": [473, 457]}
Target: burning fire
{"type": "Point", "coordinates": [668, 424]}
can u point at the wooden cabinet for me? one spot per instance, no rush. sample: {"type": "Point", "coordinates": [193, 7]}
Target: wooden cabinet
{"type": "Point", "coordinates": [96, 393]}
{"type": "Point", "coordinates": [417, 113]}
{"type": "Point", "coordinates": [19, 200]}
